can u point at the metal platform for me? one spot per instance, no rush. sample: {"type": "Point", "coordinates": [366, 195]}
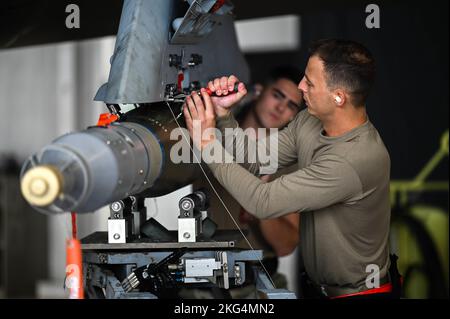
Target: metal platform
{"type": "Point", "coordinates": [222, 239]}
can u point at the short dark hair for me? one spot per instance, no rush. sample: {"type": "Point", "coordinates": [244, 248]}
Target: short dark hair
{"type": "Point", "coordinates": [346, 63]}
{"type": "Point", "coordinates": [288, 72]}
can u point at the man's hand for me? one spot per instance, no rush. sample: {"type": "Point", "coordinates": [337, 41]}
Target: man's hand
{"type": "Point", "coordinates": [201, 115]}
{"type": "Point", "coordinates": [225, 98]}
{"type": "Point", "coordinates": [200, 119]}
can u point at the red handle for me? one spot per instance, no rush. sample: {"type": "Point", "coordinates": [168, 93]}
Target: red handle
{"type": "Point", "coordinates": [211, 93]}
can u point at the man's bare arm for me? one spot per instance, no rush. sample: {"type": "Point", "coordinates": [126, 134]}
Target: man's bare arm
{"type": "Point", "coordinates": [282, 233]}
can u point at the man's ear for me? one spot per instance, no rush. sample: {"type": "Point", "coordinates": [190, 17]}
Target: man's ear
{"type": "Point", "coordinates": [339, 97]}
{"type": "Point", "coordinates": [257, 90]}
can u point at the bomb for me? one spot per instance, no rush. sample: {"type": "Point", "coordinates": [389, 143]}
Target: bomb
{"type": "Point", "coordinates": [87, 170]}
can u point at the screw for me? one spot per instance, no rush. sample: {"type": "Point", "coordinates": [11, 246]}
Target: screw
{"type": "Point", "coordinates": [186, 204]}
{"type": "Point", "coordinates": [186, 235]}
{"type": "Point", "coordinates": [116, 236]}
{"type": "Point", "coordinates": [102, 258]}
{"type": "Point", "coordinates": [116, 206]}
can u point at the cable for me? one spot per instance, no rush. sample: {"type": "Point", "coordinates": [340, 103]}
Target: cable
{"type": "Point", "coordinates": [74, 225]}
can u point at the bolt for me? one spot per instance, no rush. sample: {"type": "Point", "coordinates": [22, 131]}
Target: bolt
{"type": "Point", "coordinates": [186, 204]}
{"type": "Point", "coordinates": [141, 171]}
{"type": "Point", "coordinates": [186, 235]}
{"type": "Point", "coordinates": [116, 236]}
{"type": "Point", "coordinates": [237, 271]}
{"type": "Point", "coordinates": [116, 206]}
{"type": "Point", "coordinates": [102, 258]}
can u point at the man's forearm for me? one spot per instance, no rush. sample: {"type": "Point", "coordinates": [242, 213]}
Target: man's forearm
{"type": "Point", "coordinates": [234, 141]}
{"type": "Point", "coordinates": [259, 156]}
{"type": "Point", "coordinates": [282, 235]}
{"type": "Point", "coordinates": [245, 187]}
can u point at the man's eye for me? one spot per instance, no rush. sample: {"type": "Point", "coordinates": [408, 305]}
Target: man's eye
{"type": "Point", "coordinates": [277, 95]}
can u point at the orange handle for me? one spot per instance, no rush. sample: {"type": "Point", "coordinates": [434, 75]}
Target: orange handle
{"type": "Point", "coordinates": [74, 271]}
{"type": "Point", "coordinates": [106, 118]}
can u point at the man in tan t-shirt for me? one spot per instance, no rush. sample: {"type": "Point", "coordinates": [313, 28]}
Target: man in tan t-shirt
{"type": "Point", "coordinates": [341, 187]}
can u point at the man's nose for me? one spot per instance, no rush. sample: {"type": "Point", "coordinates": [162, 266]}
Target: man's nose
{"type": "Point", "coordinates": [302, 85]}
{"type": "Point", "coordinates": [281, 106]}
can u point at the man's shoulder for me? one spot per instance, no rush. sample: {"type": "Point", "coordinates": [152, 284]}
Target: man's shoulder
{"type": "Point", "coordinates": [369, 144]}
{"type": "Point", "coordinates": [367, 154]}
